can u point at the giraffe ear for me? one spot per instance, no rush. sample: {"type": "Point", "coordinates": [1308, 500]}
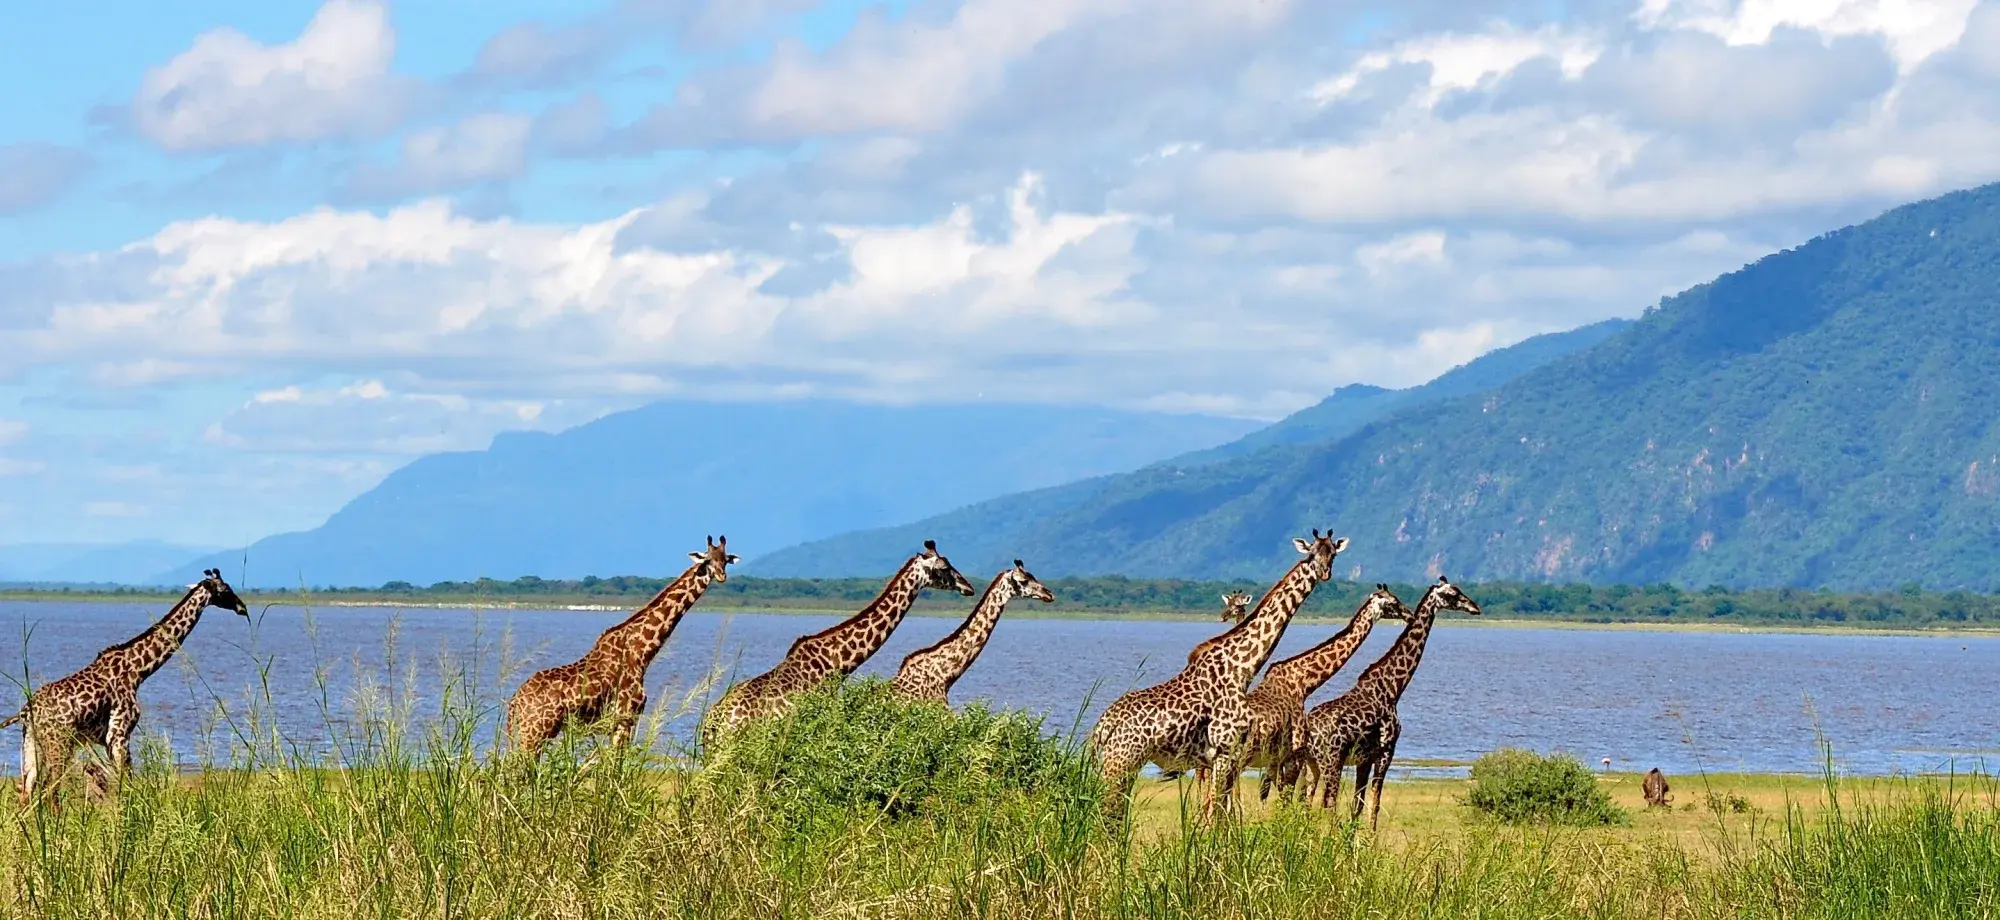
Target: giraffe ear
{"type": "Point", "coordinates": [1303, 546]}
{"type": "Point", "coordinates": [1340, 545]}
{"type": "Point", "coordinates": [697, 556]}
{"type": "Point", "coordinates": [731, 558]}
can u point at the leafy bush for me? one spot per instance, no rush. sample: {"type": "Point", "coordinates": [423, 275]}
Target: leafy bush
{"type": "Point", "coordinates": [855, 746]}
{"type": "Point", "coordinates": [1519, 786]}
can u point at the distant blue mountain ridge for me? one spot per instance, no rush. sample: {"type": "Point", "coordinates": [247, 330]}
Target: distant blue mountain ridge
{"type": "Point", "coordinates": [633, 492]}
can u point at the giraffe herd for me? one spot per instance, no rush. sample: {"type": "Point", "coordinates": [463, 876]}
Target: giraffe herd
{"type": "Point", "coordinates": [1207, 718]}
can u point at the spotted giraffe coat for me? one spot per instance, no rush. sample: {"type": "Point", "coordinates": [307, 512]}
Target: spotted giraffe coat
{"type": "Point", "coordinates": [99, 704]}
{"type": "Point", "coordinates": [1277, 705]}
{"type": "Point", "coordinates": [834, 651]}
{"type": "Point", "coordinates": [929, 673]}
{"type": "Point", "coordinates": [609, 681]}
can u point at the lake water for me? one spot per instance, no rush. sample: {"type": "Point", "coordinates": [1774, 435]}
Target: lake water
{"type": "Point", "coordinates": [1679, 701]}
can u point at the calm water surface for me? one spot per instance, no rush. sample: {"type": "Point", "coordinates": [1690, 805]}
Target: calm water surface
{"type": "Point", "coordinates": [1679, 701]}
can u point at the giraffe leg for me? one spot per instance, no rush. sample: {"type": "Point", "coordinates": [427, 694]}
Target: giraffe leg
{"type": "Point", "coordinates": [1329, 781]}
{"type": "Point", "coordinates": [1363, 766]}
{"type": "Point", "coordinates": [118, 737]}
{"type": "Point", "coordinates": [1382, 761]}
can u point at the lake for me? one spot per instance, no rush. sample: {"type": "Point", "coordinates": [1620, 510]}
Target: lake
{"type": "Point", "coordinates": [1682, 701]}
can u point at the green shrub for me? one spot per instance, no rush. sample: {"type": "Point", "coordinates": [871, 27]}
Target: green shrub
{"type": "Point", "coordinates": [855, 747]}
{"type": "Point", "coordinates": [1519, 786]}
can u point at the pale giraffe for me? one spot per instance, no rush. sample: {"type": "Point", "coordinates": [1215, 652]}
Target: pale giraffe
{"type": "Point", "coordinates": [928, 673]}
{"type": "Point", "coordinates": [1361, 724]}
{"type": "Point", "coordinates": [609, 681]}
{"type": "Point", "coordinates": [1278, 703]}
{"type": "Point", "coordinates": [100, 704]}
{"type": "Point", "coordinates": [1235, 606]}
{"type": "Point", "coordinates": [836, 650]}
{"type": "Point", "coordinates": [1197, 719]}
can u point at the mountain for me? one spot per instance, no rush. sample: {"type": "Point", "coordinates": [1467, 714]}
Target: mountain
{"type": "Point", "coordinates": [1822, 417]}
{"type": "Point", "coordinates": [632, 492]}
{"type": "Point", "coordinates": [136, 562]}
{"type": "Point", "coordinates": [1006, 521]}
{"type": "Point", "coordinates": [1356, 405]}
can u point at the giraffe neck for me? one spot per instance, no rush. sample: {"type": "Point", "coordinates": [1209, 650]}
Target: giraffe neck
{"type": "Point", "coordinates": [645, 631]}
{"type": "Point", "coordinates": [1309, 670]}
{"type": "Point", "coordinates": [1390, 675]}
{"type": "Point", "coordinates": [142, 655]}
{"type": "Point", "coordinates": [958, 650]}
{"type": "Point", "coordinates": [1244, 649]}
{"type": "Point", "coordinates": [848, 644]}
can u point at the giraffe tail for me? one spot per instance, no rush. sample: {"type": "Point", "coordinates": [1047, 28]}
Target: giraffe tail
{"type": "Point", "coordinates": [16, 717]}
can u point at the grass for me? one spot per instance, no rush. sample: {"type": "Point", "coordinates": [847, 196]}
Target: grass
{"type": "Point", "coordinates": [974, 814]}
{"type": "Point", "coordinates": [424, 825]}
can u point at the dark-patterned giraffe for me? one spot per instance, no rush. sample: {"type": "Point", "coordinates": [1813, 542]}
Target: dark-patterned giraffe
{"type": "Point", "coordinates": [609, 681]}
{"type": "Point", "coordinates": [1361, 724]}
{"type": "Point", "coordinates": [1197, 719]}
{"type": "Point", "coordinates": [928, 673]}
{"type": "Point", "coordinates": [838, 649]}
{"type": "Point", "coordinates": [100, 704]}
{"type": "Point", "coordinates": [1278, 704]}
{"type": "Point", "coordinates": [1235, 606]}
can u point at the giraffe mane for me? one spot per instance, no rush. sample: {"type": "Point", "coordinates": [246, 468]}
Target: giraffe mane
{"type": "Point", "coordinates": [966, 623]}
{"type": "Point", "coordinates": [149, 630]}
{"type": "Point", "coordinates": [880, 596]}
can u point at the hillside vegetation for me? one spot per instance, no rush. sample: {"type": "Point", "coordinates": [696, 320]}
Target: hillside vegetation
{"type": "Point", "coordinates": [1823, 417]}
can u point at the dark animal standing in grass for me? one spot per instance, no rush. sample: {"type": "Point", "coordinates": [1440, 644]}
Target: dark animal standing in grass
{"type": "Point", "coordinates": [836, 650]}
{"type": "Point", "coordinates": [928, 673]}
{"type": "Point", "coordinates": [1198, 718]}
{"type": "Point", "coordinates": [1361, 724]}
{"type": "Point", "coordinates": [1656, 789]}
{"type": "Point", "coordinates": [1278, 705]}
{"type": "Point", "coordinates": [609, 681]}
{"type": "Point", "coordinates": [100, 704]}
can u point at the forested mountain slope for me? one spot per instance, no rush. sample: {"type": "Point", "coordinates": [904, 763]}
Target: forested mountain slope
{"type": "Point", "coordinates": [1827, 416]}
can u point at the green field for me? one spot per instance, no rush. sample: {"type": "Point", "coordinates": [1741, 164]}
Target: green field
{"type": "Point", "coordinates": [847, 812]}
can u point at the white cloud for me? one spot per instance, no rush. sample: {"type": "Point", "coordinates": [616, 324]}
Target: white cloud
{"type": "Point", "coordinates": [369, 417]}
{"type": "Point", "coordinates": [13, 467]}
{"type": "Point", "coordinates": [1466, 60]}
{"type": "Point", "coordinates": [11, 430]}
{"type": "Point", "coordinates": [1914, 29]}
{"type": "Point", "coordinates": [228, 90]}
{"type": "Point", "coordinates": [34, 175]}
{"type": "Point", "coordinates": [487, 147]}
{"type": "Point", "coordinates": [113, 509]}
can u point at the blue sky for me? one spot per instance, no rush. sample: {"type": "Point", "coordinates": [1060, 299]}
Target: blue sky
{"type": "Point", "coordinates": [255, 256]}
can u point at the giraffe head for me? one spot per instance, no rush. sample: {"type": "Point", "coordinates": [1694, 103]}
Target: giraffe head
{"type": "Point", "coordinates": [938, 573]}
{"type": "Point", "coordinates": [1385, 605]}
{"type": "Point", "coordinates": [220, 594]}
{"type": "Point", "coordinates": [1234, 605]}
{"type": "Point", "coordinates": [716, 559]}
{"type": "Point", "coordinates": [1025, 585]}
{"type": "Point", "coordinates": [1320, 552]}
{"type": "Point", "coordinates": [1446, 596]}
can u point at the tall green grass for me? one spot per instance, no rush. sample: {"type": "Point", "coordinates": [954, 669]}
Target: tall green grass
{"type": "Point", "coordinates": [856, 805]}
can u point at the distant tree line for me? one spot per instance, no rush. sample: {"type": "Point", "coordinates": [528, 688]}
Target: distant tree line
{"type": "Point", "coordinates": [1909, 606]}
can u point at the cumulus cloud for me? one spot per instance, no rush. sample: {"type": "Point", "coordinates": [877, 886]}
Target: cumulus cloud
{"type": "Point", "coordinates": [229, 90]}
{"type": "Point", "coordinates": [33, 175]}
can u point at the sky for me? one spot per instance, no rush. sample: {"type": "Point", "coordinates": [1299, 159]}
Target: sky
{"type": "Point", "coordinates": [255, 256]}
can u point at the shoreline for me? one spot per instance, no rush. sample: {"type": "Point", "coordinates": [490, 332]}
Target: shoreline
{"type": "Point", "coordinates": [1489, 621]}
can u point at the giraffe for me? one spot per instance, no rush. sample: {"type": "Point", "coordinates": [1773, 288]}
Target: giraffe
{"type": "Point", "coordinates": [836, 650]}
{"type": "Point", "coordinates": [1278, 704]}
{"type": "Point", "coordinates": [1197, 717]}
{"type": "Point", "coordinates": [100, 704]}
{"type": "Point", "coordinates": [1362, 722]}
{"type": "Point", "coordinates": [1235, 606]}
{"type": "Point", "coordinates": [610, 679]}
{"type": "Point", "coordinates": [928, 673]}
